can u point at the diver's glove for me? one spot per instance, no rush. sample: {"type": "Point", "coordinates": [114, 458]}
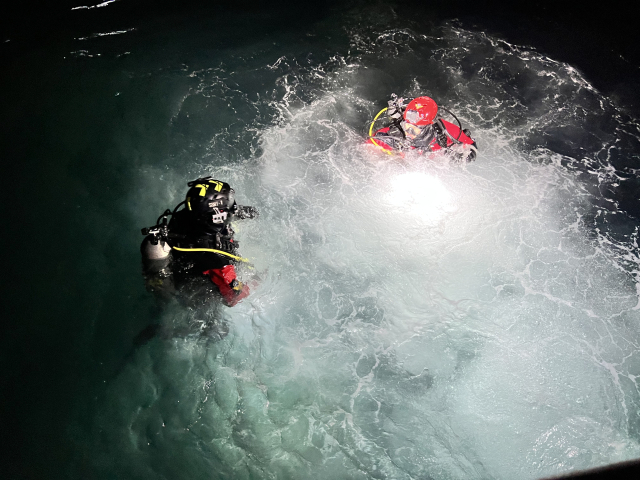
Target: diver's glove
{"type": "Point", "coordinates": [395, 107]}
{"type": "Point", "coordinates": [229, 246]}
{"type": "Point", "coordinates": [243, 212]}
{"type": "Point", "coordinates": [225, 244]}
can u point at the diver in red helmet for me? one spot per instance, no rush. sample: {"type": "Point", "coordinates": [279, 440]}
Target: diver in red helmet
{"type": "Point", "coordinates": [197, 244]}
{"type": "Point", "coordinates": [417, 125]}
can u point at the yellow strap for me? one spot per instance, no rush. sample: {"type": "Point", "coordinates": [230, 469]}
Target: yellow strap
{"type": "Point", "coordinates": [371, 131]}
{"type": "Point", "coordinates": [219, 252]}
{"type": "Point", "coordinates": [218, 185]}
{"type": "Point", "coordinates": [203, 189]}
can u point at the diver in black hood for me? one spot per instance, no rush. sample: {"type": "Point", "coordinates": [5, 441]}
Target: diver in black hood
{"type": "Point", "coordinates": [194, 254]}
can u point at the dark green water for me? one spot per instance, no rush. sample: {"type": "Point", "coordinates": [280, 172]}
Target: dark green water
{"type": "Point", "coordinates": [415, 319]}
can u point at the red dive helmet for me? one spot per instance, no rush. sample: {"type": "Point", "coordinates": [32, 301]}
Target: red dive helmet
{"type": "Point", "coordinates": [421, 111]}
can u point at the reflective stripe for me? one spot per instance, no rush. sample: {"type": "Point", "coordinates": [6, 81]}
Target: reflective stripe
{"type": "Point", "coordinates": [218, 185]}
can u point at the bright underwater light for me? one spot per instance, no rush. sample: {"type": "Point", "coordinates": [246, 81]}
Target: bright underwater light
{"type": "Point", "coordinates": [420, 194]}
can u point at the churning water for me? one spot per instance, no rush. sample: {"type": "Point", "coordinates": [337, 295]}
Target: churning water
{"type": "Point", "coordinates": [411, 317]}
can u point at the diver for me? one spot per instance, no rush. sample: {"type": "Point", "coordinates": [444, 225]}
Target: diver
{"type": "Point", "coordinates": [417, 125]}
{"type": "Point", "coordinates": [194, 255]}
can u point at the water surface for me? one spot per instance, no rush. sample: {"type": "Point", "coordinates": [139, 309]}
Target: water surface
{"type": "Point", "coordinates": [414, 318]}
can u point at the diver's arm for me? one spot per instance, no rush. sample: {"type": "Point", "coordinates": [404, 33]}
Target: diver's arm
{"type": "Point", "coordinates": [395, 110]}
{"type": "Point", "coordinates": [395, 107]}
{"type": "Point", "coordinates": [243, 211]}
{"type": "Point", "coordinates": [441, 136]}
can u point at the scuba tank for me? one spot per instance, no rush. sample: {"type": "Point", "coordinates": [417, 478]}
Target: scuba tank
{"type": "Point", "coordinates": [156, 254]}
{"type": "Point", "coordinates": [156, 259]}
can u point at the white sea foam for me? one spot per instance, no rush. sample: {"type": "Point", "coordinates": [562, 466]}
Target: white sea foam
{"type": "Point", "coordinates": [416, 317]}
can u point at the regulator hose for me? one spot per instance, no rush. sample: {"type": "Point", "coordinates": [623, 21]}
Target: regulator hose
{"type": "Point", "coordinates": [459, 126]}
{"type": "Point", "coordinates": [371, 131]}
{"type": "Point", "coordinates": [212, 250]}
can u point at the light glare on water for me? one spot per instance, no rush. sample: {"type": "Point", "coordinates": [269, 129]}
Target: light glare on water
{"type": "Point", "coordinates": [423, 195]}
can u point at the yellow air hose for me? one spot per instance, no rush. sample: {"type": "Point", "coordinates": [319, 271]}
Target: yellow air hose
{"type": "Point", "coordinates": [219, 252]}
{"type": "Point", "coordinates": [371, 132]}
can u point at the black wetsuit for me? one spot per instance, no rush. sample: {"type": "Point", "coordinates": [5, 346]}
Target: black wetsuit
{"type": "Point", "coordinates": [188, 232]}
{"type": "Point", "coordinates": [197, 246]}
